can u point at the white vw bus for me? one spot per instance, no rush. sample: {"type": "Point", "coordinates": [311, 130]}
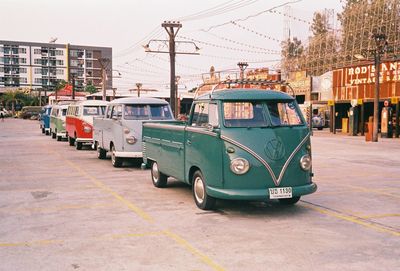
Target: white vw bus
{"type": "Point", "coordinates": [120, 130]}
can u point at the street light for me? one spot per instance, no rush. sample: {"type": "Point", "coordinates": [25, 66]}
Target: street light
{"type": "Point", "coordinates": [381, 47]}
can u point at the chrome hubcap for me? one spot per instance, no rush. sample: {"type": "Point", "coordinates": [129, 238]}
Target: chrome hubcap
{"type": "Point", "coordinates": [155, 172]}
{"type": "Point", "coordinates": [113, 155]}
{"type": "Point", "coordinates": [199, 190]}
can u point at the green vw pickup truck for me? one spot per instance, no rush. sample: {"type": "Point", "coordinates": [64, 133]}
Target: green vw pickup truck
{"type": "Point", "coordinates": [239, 144]}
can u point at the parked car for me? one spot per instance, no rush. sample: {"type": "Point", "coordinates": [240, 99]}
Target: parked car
{"type": "Point", "coordinates": [241, 144]}
{"type": "Point", "coordinates": [45, 119]}
{"type": "Point", "coordinates": [57, 121]}
{"type": "Point", "coordinates": [120, 130]}
{"type": "Point", "coordinates": [30, 112]}
{"type": "Point", "coordinates": [79, 121]}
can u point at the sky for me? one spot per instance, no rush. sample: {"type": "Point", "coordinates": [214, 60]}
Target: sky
{"type": "Point", "coordinates": [126, 25]}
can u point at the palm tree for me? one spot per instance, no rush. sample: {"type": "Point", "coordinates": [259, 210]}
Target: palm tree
{"type": "Point", "coordinates": [13, 97]}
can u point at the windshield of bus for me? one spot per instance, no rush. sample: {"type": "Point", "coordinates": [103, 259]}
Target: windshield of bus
{"type": "Point", "coordinates": [261, 114]}
{"type": "Point", "coordinates": [93, 110]}
{"type": "Point", "coordinates": [144, 111]}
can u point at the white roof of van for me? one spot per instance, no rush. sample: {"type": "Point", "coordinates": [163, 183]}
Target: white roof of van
{"type": "Point", "coordinates": [136, 100]}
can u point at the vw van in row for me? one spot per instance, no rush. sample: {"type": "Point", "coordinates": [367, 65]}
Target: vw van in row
{"type": "Point", "coordinates": [79, 121]}
{"type": "Point", "coordinates": [120, 130]}
{"type": "Point", "coordinates": [57, 121]}
{"type": "Point", "coordinates": [45, 119]}
{"type": "Point", "coordinates": [239, 144]}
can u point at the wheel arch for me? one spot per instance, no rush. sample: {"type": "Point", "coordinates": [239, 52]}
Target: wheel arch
{"type": "Point", "coordinates": [192, 170]}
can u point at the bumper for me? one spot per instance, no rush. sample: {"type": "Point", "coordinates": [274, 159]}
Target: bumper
{"type": "Point", "coordinates": [256, 194]}
{"type": "Point", "coordinates": [62, 134]}
{"type": "Point", "coordinates": [124, 154]}
{"type": "Point", "coordinates": [84, 140]}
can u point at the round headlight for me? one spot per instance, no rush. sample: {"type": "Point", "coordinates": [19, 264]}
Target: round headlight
{"type": "Point", "coordinates": [131, 140]}
{"type": "Point", "coordinates": [240, 166]}
{"type": "Point", "coordinates": [305, 162]}
{"type": "Point", "coordinates": [87, 129]}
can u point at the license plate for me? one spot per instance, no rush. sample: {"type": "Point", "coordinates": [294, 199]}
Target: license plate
{"type": "Point", "coordinates": [280, 193]}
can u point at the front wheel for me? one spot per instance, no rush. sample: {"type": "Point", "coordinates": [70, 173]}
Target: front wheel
{"type": "Point", "coordinates": [78, 145]}
{"type": "Point", "coordinates": [202, 200]}
{"type": "Point", "coordinates": [290, 201]}
{"type": "Point", "coordinates": [115, 161]}
{"type": "Point", "coordinates": [59, 138]}
{"type": "Point", "coordinates": [43, 131]}
{"type": "Point", "coordinates": [53, 135]}
{"type": "Point", "coordinates": [159, 179]}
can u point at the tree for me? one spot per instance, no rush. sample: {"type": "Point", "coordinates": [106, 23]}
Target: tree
{"type": "Point", "coordinates": [320, 24]}
{"type": "Point", "coordinates": [292, 52]}
{"type": "Point", "coordinates": [13, 97]}
{"type": "Point", "coordinates": [91, 89]}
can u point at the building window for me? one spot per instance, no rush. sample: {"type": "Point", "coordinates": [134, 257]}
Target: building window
{"type": "Point", "coordinates": [60, 72]}
{"type": "Point", "coordinates": [22, 50]}
{"type": "Point", "coordinates": [22, 70]}
{"type": "Point", "coordinates": [60, 62]}
{"type": "Point", "coordinates": [23, 80]}
{"type": "Point", "coordinates": [37, 51]}
{"type": "Point", "coordinates": [89, 54]}
{"type": "Point", "coordinates": [73, 53]}
{"type": "Point", "coordinates": [89, 64]}
{"type": "Point", "coordinates": [22, 60]}
{"type": "Point", "coordinates": [59, 52]}
{"type": "Point", "coordinates": [38, 61]}
{"type": "Point", "coordinates": [38, 71]}
{"type": "Point", "coordinates": [38, 81]}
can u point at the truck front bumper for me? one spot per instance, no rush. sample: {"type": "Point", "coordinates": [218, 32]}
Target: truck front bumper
{"type": "Point", "coordinates": [257, 194]}
{"type": "Point", "coordinates": [126, 154]}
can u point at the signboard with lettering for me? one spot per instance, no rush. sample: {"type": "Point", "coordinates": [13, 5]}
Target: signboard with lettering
{"type": "Point", "coordinates": [359, 82]}
{"type": "Point", "coordinates": [300, 82]}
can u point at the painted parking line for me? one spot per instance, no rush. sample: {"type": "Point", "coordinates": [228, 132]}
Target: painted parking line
{"type": "Point", "coordinates": [353, 219]}
{"type": "Point", "coordinates": [59, 208]}
{"type": "Point", "coordinates": [379, 216]}
{"type": "Point", "coordinates": [179, 240]}
{"type": "Point", "coordinates": [31, 243]}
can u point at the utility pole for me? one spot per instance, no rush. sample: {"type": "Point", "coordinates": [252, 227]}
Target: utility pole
{"type": "Point", "coordinates": [104, 62]}
{"type": "Point", "coordinates": [138, 85]}
{"type": "Point", "coordinates": [242, 67]}
{"type": "Point", "coordinates": [73, 86]}
{"type": "Point", "coordinates": [172, 29]}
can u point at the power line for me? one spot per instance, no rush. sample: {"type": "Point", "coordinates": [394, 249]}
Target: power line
{"type": "Point", "coordinates": [241, 43]}
{"type": "Point", "coordinates": [219, 9]}
{"type": "Point", "coordinates": [228, 48]}
{"type": "Point", "coordinates": [255, 32]}
{"type": "Point", "coordinates": [253, 15]}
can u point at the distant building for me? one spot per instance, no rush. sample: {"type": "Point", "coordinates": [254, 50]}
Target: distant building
{"type": "Point", "coordinates": [40, 65]}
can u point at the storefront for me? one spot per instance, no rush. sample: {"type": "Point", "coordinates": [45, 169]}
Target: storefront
{"type": "Point", "coordinates": [353, 94]}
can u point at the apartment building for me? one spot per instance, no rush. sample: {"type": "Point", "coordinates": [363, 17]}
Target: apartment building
{"type": "Point", "coordinates": [40, 65]}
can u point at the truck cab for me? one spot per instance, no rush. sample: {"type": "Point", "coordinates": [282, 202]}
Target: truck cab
{"type": "Point", "coordinates": [241, 144]}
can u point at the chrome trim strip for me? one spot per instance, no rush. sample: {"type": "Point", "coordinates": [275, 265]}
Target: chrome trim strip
{"type": "Point", "coordinates": [291, 157]}
{"type": "Point", "coordinates": [278, 180]}
{"type": "Point", "coordinates": [200, 131]}
{"type": "Point", "coordinates": [164, 126]}
{"type": "Point", "coordinates": [259, 158]}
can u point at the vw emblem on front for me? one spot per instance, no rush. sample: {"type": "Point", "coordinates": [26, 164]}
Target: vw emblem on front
{"type": "Point", "coordinates": [274, 149]}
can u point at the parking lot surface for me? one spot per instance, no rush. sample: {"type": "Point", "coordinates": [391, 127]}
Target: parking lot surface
{"type": "Point", "coordinates": [63, 209]}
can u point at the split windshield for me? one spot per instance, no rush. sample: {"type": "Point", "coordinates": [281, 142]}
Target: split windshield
{"type": "Point", "coordinates": [261, 114]}
{"type": "Point", "coordinates": [144, 111]}
{"type": "Point", "coordinates": [93, 110]}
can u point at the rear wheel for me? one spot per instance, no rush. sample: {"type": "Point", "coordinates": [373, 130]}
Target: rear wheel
{"type": "Point", "coordinates": [159, 179]}
{"type": "Point", "coordinates": [53, 135]}
{"type": "Point", "coordinates": [101, 153]}
{"type": "Point", "coordinates": [201, 198]}
{"type": "Point", "coordinates": [71, 141]}
{"type": "Point", "coordinates": [47, 133]}
{"type": "Point", "coordinates": [290, 201]}
{"type": "Point", "coordinates": [59, 138]}
{"type": "Point", "coordinates": [43, 131]}
{"type": "Point", "coordinates": [115, 161]}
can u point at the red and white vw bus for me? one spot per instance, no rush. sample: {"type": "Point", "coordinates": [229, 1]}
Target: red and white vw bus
{"type": "Point", "coordinates": [79, 121]}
